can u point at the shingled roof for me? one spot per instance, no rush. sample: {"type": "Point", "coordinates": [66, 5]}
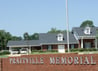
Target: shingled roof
{"type": "Point", "coordinates": [23, 43]}
{"type": "Point", "coordinates": [51, 38]}
{"type": "Point", "coordinates": [44, 38]}
{"type": "Point", "coordinates": [80, 31]}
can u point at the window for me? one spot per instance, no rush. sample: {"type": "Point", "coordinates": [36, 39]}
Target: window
{"type": "Point", "coordinates": [72, 46]}
{"type": "Point", "coordinates": [60, 37]}
{"type": "Point", "coordinates": [87, 45]}
{"type": "Point", "coordinates": [87, 30]}
{"type": "Point", "coordinates": [49, 47]}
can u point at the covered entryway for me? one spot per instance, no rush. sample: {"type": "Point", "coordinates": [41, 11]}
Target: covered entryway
{"type": "Point", "coordinates": [87, 44]}
{"type": "Point", "coordinates": [61, 48]}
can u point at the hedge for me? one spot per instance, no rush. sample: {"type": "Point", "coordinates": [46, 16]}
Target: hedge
{"type": "Point", "coordinates": [41, 51]}
{"type": "Point", "coordinates": [83, 49]}
{"type": "Point", "coordinates": [4, 52]}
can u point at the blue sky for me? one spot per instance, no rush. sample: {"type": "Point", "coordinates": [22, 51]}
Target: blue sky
{"type": "Point", "coordinates": [19, 16]}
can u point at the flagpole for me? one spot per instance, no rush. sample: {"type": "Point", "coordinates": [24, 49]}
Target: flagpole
{"type": "Point", "coordinates": [67, 25]}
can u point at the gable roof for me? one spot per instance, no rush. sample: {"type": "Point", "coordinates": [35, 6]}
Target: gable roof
{"type": "Point", "coordinates": [23, 43]}
{"type": "Point", "coordinates": [51, 38]}
{"type": "Point", "coordinates": [80, 31]}
{"type": "Point", "coordinates": [44, 38]}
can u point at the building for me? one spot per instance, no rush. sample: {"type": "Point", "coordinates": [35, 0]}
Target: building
{"type": "Point", "coordinates": [78, 38]}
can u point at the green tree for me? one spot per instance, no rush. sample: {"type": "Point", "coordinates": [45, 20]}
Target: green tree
{"type": "Point", "coordinates": [4, 37]}
{"type": "Point", "coordinates": [26, 36]}
{"type": "Point", "coordinates": [16, 38]}
{"type": "Point", "coordinates": [54, 30]}
{"type": "Point", "coordinates": [7, 37]}
{"type": "Point", "coordinates": [87, 23]}
{"type": "Point", "coordinates": [35, 36]}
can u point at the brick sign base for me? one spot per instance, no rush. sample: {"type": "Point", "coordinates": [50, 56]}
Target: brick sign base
{"type": "Point", "coordinates": [51, 62]}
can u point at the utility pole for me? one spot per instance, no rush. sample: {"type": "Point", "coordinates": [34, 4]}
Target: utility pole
{"type": "Point", "coordinates": [67, 25]}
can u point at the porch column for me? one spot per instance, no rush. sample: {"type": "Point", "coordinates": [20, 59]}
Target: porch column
{"type": "Point", "coordinates": [96, 43]}
{"type": "Point", "coordinates": [10, 50]}
{"type": "Point", "coordinates": [41, 48]}
{"type": "Point", "coordinates": [29, 49]}
{"type": "Point", "coordinates": [82, 43]}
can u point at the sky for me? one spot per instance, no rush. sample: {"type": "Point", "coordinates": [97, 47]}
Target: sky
{"type": "Point", "coordinates": [39, 16]}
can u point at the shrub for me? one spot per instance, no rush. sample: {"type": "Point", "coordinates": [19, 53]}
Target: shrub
{"type": "Point", "coordinates": [83, 49]}
{"type": "Point", "coordinates": [52, 51]}
{"type": "Point", "coordinates": [41, 51]}
{"type": "Point", "coordinates": [4, 52]}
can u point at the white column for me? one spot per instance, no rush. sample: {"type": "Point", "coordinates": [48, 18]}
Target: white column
{"type": "Point", "coordinates": [41, 47]}
{"type": "Point", "coordinates": [10, 50]}
{"type": "Point", "coordinates": [96, 43]}
{"type": "Point", "coordinates": [82, 43]}
{"type": "Point", "coordinates": [29, 49]}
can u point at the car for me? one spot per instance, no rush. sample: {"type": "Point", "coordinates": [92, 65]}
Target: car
{"type": "Point", "coordinates": [14, 51]}
{"type": "Point", "coordinates": [23, 51]}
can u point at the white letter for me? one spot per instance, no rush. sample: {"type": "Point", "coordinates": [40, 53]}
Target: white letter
{"type": "Point", "coordinates": [92, 61]}
{"type": "Point", "coordinates": [52, 60]}
{"type": "Point", "coordinates": [86, 61]}
{"type": "Point", "coordinates": [76, 60]}
{"type": "Point", "coordinates": [70, 60]}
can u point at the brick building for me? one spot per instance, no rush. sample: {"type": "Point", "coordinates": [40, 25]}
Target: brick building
{"type": "Point", "coordinates": [78, 38]}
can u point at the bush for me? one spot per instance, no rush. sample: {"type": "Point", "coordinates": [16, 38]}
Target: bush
{"type": "Point", "coordinates": [52, 51]}
{"type": "Point", "coordinates": [84, 49]}
{"type": "Point", "coordinates": [41, 51]}
{"type": "Point", "coordinates": [4, 52]}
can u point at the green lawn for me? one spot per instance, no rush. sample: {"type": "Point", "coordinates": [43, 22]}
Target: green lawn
{"type": "Point", "coordinates": [55, 52]}
{"type": "Point", "coordinates": [89, 52]}
{"type": "Point", "coordinates": [3, 56]}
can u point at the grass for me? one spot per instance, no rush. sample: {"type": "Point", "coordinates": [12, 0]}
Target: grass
{"type": "Point", "coordinates": [84, 52]}
{"type": "Point", "coordinates": [89, 52]}
{"type": "Point", "coordinates": [3, 56]}
{"type": "Point", "coordinates": [79, 51]}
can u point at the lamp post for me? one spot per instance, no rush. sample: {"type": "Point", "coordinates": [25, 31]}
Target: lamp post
{"type": "Point", "coordinates": [67, 25]}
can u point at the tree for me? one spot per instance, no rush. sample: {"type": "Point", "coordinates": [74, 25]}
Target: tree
{"type": "Point", "coordinates": [16, 38]}
{"type": "Point", "coordinates": [54, 30]}
{"type": "Point", "coordinates": [4, 37]}
{"type": "Point", "coordinates": [26, 36]}
{"type": "Point", "coordinates": [87, 23]}
{"type": "Point", "coordinates": [7, 37]}
{"type": "Point", "coordinates": [35, 36]}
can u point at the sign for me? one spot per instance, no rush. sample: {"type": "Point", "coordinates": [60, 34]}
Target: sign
{"type": "Point", "coordinates": [82, 60]}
